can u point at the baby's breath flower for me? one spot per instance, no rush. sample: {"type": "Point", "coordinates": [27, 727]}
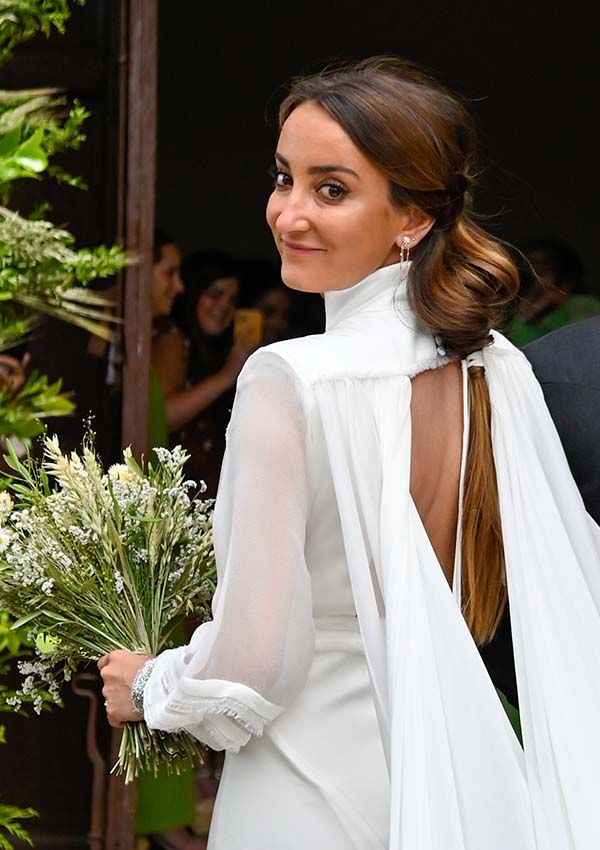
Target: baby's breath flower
{"type": "Point", "coordinates": [47, 586]}
{"type": "Point", "coordinates": [5, 537]}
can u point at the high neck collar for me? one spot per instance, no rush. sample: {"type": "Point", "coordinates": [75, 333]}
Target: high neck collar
{"type": "Point", "coordinates": [377, 292]}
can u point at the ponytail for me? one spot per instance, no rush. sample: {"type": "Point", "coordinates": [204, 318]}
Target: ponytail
{"type": "Point", "coordinates": [484, 591]}
{"type": "Point", "coordinates": [460, 286]}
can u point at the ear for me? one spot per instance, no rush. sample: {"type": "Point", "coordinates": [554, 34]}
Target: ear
{"type": "Point", "coordinates": [417, 224]}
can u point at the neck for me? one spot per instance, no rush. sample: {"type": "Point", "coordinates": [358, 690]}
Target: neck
{"type": "Point", "coordinates": [375, 293]}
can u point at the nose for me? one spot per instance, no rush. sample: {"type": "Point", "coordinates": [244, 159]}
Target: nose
{"type": "Point", "coordinates": [293, 216]}
{"type": "Point", "coordinates": [179, 287]}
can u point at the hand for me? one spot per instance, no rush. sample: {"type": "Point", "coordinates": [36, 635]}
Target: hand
{"type": "Point", "coordinates": [118, 670]}
{"type": "Point", "coordinates": [12, 372]}
{"type": "Point", "coordinates": [240, 352]}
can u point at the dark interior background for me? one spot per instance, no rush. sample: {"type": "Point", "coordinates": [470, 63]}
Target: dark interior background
{"type": "Point", "coordinates": [525, 67]}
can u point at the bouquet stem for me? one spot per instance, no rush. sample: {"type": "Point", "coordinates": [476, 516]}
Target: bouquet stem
{"type": "Point", "coordinates": [144, 750]}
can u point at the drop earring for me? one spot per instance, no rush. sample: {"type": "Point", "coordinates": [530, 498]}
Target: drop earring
{"type": "Point", "coordinates": [405, 249]}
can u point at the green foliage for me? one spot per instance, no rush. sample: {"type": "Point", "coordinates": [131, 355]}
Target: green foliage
{"type": "Point", "coordinates": [30, 135]}
{"type": "Point", "coordinates": [21, 413]}
{"type": "Point", "coordinates": [11, 827]}
{"type": "Point", "coordinates": [22, 19]}
{"type": "Point", "coordinates": [13, 642]}
{"type": "Point", "coordinates": [41, 269]}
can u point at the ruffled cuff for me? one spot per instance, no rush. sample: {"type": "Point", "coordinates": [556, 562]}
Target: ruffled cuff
{"type": "Point", "coordinates": [224, 715]}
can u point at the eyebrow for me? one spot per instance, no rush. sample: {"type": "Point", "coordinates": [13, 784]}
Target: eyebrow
{"type": "Point", "coordinates": [320, 169]}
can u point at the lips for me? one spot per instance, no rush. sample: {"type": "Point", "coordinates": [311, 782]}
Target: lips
{"type": "Point", "coordinates": [305, 249]}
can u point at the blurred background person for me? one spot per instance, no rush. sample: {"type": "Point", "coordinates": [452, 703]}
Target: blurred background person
{"type": "Point", "coordinates": [262, 289]}
{"type": "Point", "coordinates": [552, 291]}
{"type": "Point", "coordinates": [567, 365]}
{"type": "Point", "coordinates": [166, 805]}
{"type": "Point", "coordinates": [286, 314]}
{"type": "Point", "coordinates": [166, 285]}
{"type": "Point", "coordinates": [198, 361]}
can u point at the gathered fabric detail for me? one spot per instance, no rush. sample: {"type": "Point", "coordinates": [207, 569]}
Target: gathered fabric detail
{"type": "Point", "coordinates": [229, 707]}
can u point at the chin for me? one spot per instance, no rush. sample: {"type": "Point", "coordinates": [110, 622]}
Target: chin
{"type": "Point", "coordinates": [300, 281]}
{"type": "Point", "coordinates": [211, 330]}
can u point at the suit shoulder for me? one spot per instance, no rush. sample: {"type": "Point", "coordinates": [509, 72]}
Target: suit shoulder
{"type": "Point", "coordinates": [570, 354]}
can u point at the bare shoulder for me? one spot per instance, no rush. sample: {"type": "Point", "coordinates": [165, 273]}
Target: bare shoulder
{"type": "Point", "coordinates": [169, 342]}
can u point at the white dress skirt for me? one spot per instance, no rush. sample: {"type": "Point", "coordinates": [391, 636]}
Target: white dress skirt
{"type": "Point", "coordinates": [338, 672]}
{"type": "Point", "coordinates": [317, 777]}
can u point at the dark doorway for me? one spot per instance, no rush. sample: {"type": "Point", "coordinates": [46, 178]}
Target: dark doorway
{"type": "Point", "coordinates": [524, 67]}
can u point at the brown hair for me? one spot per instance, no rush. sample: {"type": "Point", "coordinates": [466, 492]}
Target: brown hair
{"type": "Point", "coordinates": [461, 280]}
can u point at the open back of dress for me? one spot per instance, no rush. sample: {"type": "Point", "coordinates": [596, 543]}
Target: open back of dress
{"type": "Point", "coordinates": [436, 457]}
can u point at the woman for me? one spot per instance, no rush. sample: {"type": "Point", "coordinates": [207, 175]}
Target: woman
{"type": "Point", "coordinates": [198, 363]}
{"type": "Point", "coordinates": [371, 519]}
{"type": "Point", "coordinates": [263, 289]}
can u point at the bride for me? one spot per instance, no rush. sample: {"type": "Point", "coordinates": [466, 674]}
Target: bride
{"type": "Point", "coordinates": [388, 486]}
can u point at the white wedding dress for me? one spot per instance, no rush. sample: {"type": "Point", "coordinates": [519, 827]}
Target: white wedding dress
{"type": "Point", "coordinates": [338, 672]}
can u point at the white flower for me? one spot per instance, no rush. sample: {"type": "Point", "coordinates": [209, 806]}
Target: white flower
{"type": "Point", "coordinates": [118, 582]}
{"type": "Point", "coordinates": [47, 586]}
{"type": "Point", "coordinates": [5, 536]}
{"type": "Point", "coordinates": [122, 473]}
{"type": "Point", "coordinates": [6, 504]}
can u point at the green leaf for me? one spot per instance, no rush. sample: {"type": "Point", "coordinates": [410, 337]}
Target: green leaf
{"type": "Point", "coordinates": [30, 154]}
{"type": "Point", "coordinates": [24, 620]}
{"type": "Point", "coordinates": [10, 141]}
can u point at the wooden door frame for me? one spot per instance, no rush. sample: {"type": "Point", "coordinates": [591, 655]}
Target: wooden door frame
{"type": "Point", "coordinates": [138, 61]}
{"type": "Point", "coordinates": [137, 213]}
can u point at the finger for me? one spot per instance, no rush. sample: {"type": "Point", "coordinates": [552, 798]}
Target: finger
{"type": "Point", "coordinates": [102, 662]}
{"type": "Point", "coordinates": [114, 721]}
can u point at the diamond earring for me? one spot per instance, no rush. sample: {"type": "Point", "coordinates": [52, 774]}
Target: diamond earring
{"type": "Point", "coordinates": [405, 249]}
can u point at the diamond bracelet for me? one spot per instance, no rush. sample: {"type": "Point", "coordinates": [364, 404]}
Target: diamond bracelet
{"type": "Point", "coordinates": [139, 683]}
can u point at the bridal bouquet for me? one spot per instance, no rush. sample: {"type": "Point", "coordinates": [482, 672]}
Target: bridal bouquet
{"type": "Point", "coordinates": [93, 561]}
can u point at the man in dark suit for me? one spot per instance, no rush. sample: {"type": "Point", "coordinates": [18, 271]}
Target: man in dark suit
{"type": "Point", "coordinates": [567, 365]}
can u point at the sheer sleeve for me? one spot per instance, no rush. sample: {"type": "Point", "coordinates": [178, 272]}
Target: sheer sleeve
{"type": "Point", "coordinates": [244, 667]}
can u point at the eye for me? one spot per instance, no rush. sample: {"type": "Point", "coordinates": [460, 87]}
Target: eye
{"type": "Point", "coordinates": [281, 179]}
{"type": "Point", "coordinates": [332, 191]}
